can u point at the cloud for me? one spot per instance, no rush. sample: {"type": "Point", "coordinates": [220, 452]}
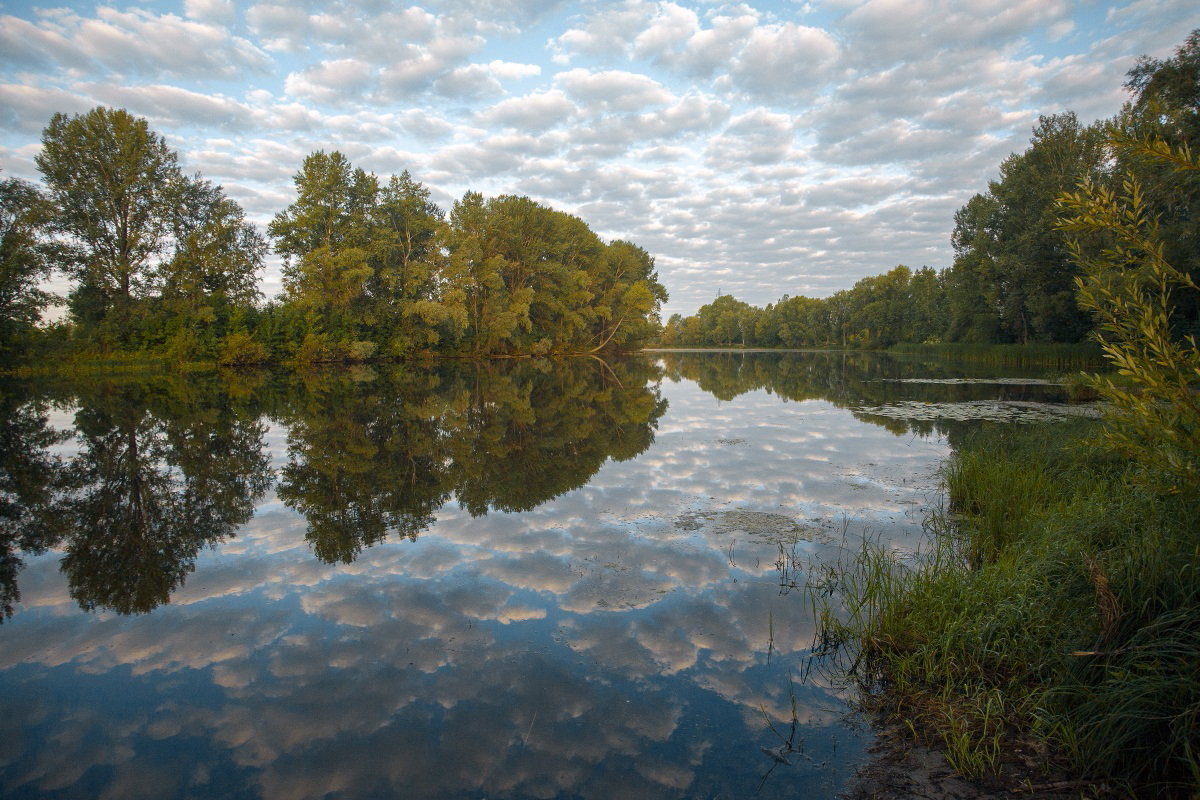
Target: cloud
{"type": "Point", "coordinates": [534, 112]}
{"type": "Point", "coordinates": [756, 137]}
{"type": "Point", "coordinates": [174, 107]}
{"type": "Point", "coordinates": [27, 109]}
{"type": "Point", "coordinates": [216, 11]}
{"type": "Point", "coordinates": [332, 82]}
{"type": "Point", "coordinates": [786, 60]}
{"type": "Point", "coordinates": [134, 41]}
{"type": "Point", "coordinates": [613, 90]}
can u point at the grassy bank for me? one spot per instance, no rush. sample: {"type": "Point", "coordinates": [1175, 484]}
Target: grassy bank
{"type": "Point", "coordinates": [1058, 609]}
{"type": "Point", "coordinates": [1062, 356]}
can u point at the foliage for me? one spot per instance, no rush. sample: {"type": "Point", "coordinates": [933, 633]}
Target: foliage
{"type": "Point", "coordinates": [878, 311]}
{"type": "Point", "coordinates": [26, 258]}
{"type": "Point", "coordinates": [111, 178]}
{"type": "Point", "coordinates": [240, 348]}
{"type": "Point", "coordinates": [1130, 287]}
{"type": "Point", "coordinates": [1055, 604]}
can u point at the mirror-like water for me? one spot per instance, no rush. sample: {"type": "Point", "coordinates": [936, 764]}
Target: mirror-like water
{"type": "Point", "coordinates": [547, 579]}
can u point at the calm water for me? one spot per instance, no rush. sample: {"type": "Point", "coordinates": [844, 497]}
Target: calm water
{"type": "Point", "coordinates": [566, 579]}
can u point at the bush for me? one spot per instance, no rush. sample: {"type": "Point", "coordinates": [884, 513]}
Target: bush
{"type": "Point", "coordinates": [240, 348]}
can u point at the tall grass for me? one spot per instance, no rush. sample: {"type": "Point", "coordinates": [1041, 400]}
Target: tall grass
{"type": "Point", "coordinates": [1057, 607]}
{"type": "Point", "coordinates": [1061, 356]}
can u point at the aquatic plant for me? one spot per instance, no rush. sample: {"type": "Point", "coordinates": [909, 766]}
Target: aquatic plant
{"type": "Point", "coordinates": [1055, 611]}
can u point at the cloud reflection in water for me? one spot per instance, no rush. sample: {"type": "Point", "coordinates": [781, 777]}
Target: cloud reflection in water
{"type": "Point", "coordinates": [595, 644]}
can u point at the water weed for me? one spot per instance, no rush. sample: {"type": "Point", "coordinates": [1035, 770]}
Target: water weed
{"type": "Point", "coordinates": [1058, 602]}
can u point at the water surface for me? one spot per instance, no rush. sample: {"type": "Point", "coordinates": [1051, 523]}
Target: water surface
{"type": "Point", "coordinates": [539, 579]}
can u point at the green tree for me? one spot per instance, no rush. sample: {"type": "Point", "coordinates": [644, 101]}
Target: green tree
{"type": "Point", "coordinates": [1012, 277]}
{"type": "Point", "coordinates": [211, 278]}
{"type": "Point", "coordinates": [628, 297]}
{"type": "Point", "coordinates": [25, 261]}
{"type": "Point", "coordinates": [478, 279]}
{"type": "Point", "coordinates": [407, 239]}
{"type": "Point", "coordinates": [324, 237]}
{"type": "Point", "coordinates": [1132, 288]}
{"type": "Point", "coordinates": [111, 180]}
{"type": "Point", "coordinates": [1159, 125]}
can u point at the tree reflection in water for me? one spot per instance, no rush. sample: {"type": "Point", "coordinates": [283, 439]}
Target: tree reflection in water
{"type": "Point", "coordinates": [168, 466]}
{"type": "Point", "coordinates": [161, 471]}
{"type": "Point", "coordinates": [373, 453]}
{"type": "Point", "coordinates": [31, 478]}
{"type": "Point", "coordinates": [164, 468]}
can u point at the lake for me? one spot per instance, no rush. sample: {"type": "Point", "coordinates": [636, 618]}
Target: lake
{"type": "Point", "coordinates": [532, 579]}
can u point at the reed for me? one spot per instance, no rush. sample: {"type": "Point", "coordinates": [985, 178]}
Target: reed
{"type": "Point", "coordinates": [1058, 603]}
{"type": "Point", "coordinates": [1060, 356]}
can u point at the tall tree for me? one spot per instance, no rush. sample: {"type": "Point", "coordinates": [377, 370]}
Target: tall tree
{"type": "Point", "coordinates": [324, 237]}
{"type": "Point", "coordinates": [1161, 123]}
{"type": "Point", "coordinates": [210, 280]}
{"type": "Point", "coordinates": [111, 179]}
{"type": "Point", "coordinates": [24, 260]}
{"type": "Point", "coordinates": [1008, 252]}
{"type": "Point", "coordinates": [407, 237]}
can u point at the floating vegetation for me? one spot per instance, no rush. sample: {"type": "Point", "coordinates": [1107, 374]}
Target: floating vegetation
{"type": "Point", "coordinates": [985, 381]}
{"type": "Point", "coordinates": [988, 410]}
{"type": "Point", "coordinates": [731, 442]}
{"type": "Point", "coordinates": [761, 525]}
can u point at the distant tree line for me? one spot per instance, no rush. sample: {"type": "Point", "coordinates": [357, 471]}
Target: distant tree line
{"type": "Point", "coordinates": [1013, 279]}
{"type": "Point", "coordinates": [164, 263]}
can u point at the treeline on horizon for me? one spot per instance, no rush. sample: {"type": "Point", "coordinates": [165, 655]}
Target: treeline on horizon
{"type": "Point", "coordinates": [162, 263]}
{"type": "Point", "coordinates": [1014, 276]}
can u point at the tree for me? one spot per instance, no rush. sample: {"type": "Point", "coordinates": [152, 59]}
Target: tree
{"type": "Point", "coordinates": [1130, 285]}
{"type": "Point", "coordinates": [24, 260]}
{"type": "Point", "coordinates": [1152, 138]}
{"type": "Point", "coordinates": [324, 237]}
{"type": "Point", "coordinates": [211, 278]}
{"type": "Point", "coordinates": [111, 179]}
{"type": "Point", "coordinates": [628, 297]}
{"type": "Point", "coordinates": [407, 233]}
{"type": "Point", "coordinates": [1012, 277]}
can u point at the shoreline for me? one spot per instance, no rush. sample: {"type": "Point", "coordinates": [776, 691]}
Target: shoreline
{"type": "Point", "coordinates": [899, 768]}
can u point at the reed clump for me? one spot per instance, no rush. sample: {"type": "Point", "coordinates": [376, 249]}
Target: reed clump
{"type": "Point", "coordinates": [1058, 606]}
{"type": "Point", "coordinates": [1066, 356]}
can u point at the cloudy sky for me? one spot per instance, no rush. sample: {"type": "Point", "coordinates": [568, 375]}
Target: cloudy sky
{"type": "Point", "coordinates": [757, 149]}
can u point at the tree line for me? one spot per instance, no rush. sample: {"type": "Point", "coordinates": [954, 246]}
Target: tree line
{"type": "Point", "coordinates": [162, 262]}
{"type": "Point", "coordinates": [1014, 275]}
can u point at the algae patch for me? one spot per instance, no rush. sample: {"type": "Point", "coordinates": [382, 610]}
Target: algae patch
{"type": "Point", "coordinates": [990, 410]}
{"type": "Point", "coordinates": [761, 525]}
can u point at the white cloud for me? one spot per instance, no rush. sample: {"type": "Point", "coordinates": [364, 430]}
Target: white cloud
{"type": "Point", "coordinates": [219, 11]}
{"type": "Point", "coordinates": [787, 60]}
{"type": "Point", "coordinates": [613, 90]}
{"type": "Point", "coordinates": [171, 106]}
{"type": "Point", "coordinates": [533, 112]}
{"type": "Point", "coordinates": [134, 41]}
{"type": "Point", "coordinates": [332, 82]}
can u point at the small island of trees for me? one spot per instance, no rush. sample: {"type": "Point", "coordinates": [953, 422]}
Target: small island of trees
{"type": "Point", "coordinates": [162, 263]}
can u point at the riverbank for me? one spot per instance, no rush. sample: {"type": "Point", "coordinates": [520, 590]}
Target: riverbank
{"type": "Point", "coordinates": [1058, 605]}
{"type": "Point", "coordinates": [901, 768]}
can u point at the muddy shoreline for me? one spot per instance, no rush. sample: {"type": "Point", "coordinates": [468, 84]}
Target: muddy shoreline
{"type": "Point", "coordinates": [900, 768]}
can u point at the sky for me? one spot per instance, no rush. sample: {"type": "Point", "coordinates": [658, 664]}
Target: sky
{"type": "Point", "coordinates": [755, 149]}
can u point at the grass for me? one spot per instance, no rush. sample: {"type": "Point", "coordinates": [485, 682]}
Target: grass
{"type": "Point", "coordinates": [1058, 606]}
{"type": "Point", "coordinates": [1062, 356]}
